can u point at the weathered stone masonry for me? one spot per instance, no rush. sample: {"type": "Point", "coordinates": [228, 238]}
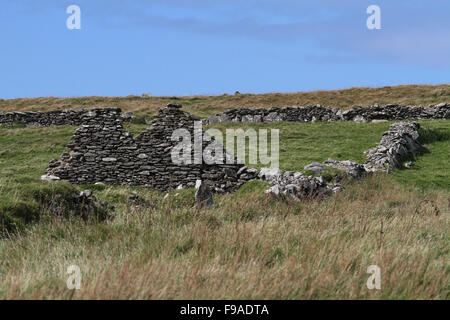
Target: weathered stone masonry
{"type": "Point", "coordinates": [105, 152]}
{"type": "Point", "coordinates": [293, 114]}
{"type": "Point", "coordinates": [64, 117]}
{"type": "Point", "coordinates": [399, 143]}
{"type": "Point", "coordinates": [320, 113]}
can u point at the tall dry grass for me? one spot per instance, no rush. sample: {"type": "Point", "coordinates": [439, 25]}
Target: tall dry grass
{"type": "Point", "coordinates": [247, 247]}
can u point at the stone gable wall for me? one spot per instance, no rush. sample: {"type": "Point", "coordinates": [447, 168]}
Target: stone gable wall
{"type": "Point", "coordinates": [107, 153]}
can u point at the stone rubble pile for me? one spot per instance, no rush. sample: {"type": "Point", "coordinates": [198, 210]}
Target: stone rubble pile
{"type": "Point", "coordinates": [351, 168]}
{"type": "Point", "coordinates": [397, 145]}
{"type": "Point", "coordinates": [85, 205]}
{"type": "Point", "coordinates": [65, 117]}
{"type": "Point", "coordinates": [348, 167]}
{"type": "Point", "coordinates": [315, 113]}
{"type": "Point", "coordinates": [107, 153]}
{"type": "Point", "coordinates": [293, 185]}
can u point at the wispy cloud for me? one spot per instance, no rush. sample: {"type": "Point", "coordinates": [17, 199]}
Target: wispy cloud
{"type": "Point", "coordinates": [335, 27]}
{"type": "Point", "coordinates": [219, 45]}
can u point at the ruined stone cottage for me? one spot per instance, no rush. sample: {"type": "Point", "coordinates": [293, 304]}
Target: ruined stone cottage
{"type": "Point", "coordinates": [102, 151]}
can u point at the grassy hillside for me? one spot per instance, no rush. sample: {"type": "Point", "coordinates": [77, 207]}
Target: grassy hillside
{"type": "Point", "coordinates": [303, 143]}
{"type": "Point", "coordinates": [248, 246]}
{"type": "Point", "coordinates": [209, 105]}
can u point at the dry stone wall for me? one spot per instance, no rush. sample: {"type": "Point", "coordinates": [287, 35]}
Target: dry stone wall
{"type": "Point", "coordinates": [397, 144]}
{"type": "Point", "coordinates": [320, 113]}
{"type": "Point", "coordinates": [65, 117]}
{"type": "Point", "coordinates": [293, 114]}
{"type": "Point", "coordinates": [102, 151]}
{"type": "Point", "coordinates": [106, 153]}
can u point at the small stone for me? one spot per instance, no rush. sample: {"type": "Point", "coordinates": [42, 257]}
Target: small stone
{"type": "Point", "coordinates": [298, 175]}
{"type": "Point", "coordinates": [174, 105]}
{"type": "Point", "coordinates": [316, 167]}
{"type": "Point", "coordinates": [241, 170]}
{"type": "Point", "coordinates": [86, 193]}
{"type": "Point", "coordinates": [270, 174]}
{"type": "Point", "coordinates": [49, 178]}
{"type": "Point", "coordinates": [133, 197]}
{"type": "Point", "coordinates": [127, 115]}
{"type": "Point", "coordinates": [337, 189]}
{"type": "Point", "coordinates": [274, 191]}
{"type": "Point", "coordinates": [409, 164]}
{"type": "Point", "coordinates": [359, 119]}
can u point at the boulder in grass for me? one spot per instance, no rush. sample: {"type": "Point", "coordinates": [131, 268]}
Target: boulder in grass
{"type": "Point", "coordinates": [203, 196]}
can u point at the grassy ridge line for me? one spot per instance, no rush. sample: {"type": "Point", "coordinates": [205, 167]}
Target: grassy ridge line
{"type": "Point", "coordinates": [202, 105]}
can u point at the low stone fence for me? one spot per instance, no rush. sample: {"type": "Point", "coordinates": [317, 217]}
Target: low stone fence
{"type": "Point", "coordinates": [398, 144]}
{"type": "Point", "coordinates": [65, 117]}
{"type": "Point", "coordinates": [311, 113]}
{"type": "Point", "coordinates": [320, 113]}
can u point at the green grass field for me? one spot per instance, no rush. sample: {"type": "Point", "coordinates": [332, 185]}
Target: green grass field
{"type": "Point", "coordinates": [301, 144]}
{"type": "Point", "coordinates": [249, 246]}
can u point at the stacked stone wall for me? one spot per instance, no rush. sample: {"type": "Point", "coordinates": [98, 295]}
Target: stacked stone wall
{"type": "Point", "coordinates": [65, 117]}
{"type": "Point", "coordinates": [320, 113]}
{"type": "Point", "coordinates": [107, 153]}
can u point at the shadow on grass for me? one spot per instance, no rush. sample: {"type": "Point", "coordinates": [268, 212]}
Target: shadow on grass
{"type": "Point", "coordinates": [427, 136]}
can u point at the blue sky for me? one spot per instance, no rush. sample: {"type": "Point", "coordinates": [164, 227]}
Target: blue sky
{"type": "Point", "coordinates": [184, 47]}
